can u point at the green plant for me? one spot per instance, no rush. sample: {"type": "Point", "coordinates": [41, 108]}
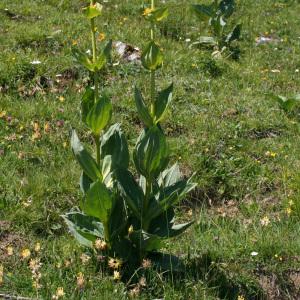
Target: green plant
{"type": "Point", "coordinates": [217, 15]}
{"type": "Point", "coordinates": [286, 103]}
{"type": "Point", "coordinates": [132, 218]}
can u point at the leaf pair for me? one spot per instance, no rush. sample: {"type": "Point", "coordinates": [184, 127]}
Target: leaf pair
{"type": "Point", "coordinates": [88, 63]}
{"type": "Point", "coordinates": [152, 57]}
{"type": "Point", "coordinates": [156, 15]}
{"type": "Point", "coordinates": [160, 106]}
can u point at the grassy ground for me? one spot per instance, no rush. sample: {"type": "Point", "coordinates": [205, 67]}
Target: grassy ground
{"type": "Point", "coordinates": [223, 126]}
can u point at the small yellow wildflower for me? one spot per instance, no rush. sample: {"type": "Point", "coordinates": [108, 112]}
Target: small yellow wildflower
{"type": "Point", "coordinates": [25, 253]}
{"type": "Point", "coordinates": [117, 275]}
{"type": "Point", "coordinates": [47, 127]}
{"type": "Point", "coordinates": [37, 247]}
{"type": "Point", "coordinates": [36, 126]}
{"type": "Point", "coordinates": [291, 203]}
{"type": "Point", "coordinates": [240, 297]}
{"type": "Point", "coordinates": [2, 114]}
{"type": "Point", "coordinates": [84, 258]}
{"type": "Point", "coordinates": [80, 280]}
{"type": "Point", "coordinates": [74, 42]}
{"type": "Point", "coordinates": [146, 263]}
{"type": "Point", "coordinates": [100, 244]}
{"type": "Point", "coordinates": [59, 293]}
{"type": "Point", "coordinates": [288, 210]}
{"type": "Point", "coordinates": [67, 263]}
{"type": "Point", "coordinates": [65, 144]}
{"type": "Point", "coordinates": [34, 264]}
{"type": "Point", "coordinates": [10, 250]}
{"type": "Point", "coordinates": [270, 154]}
{"type": "Point", "coordinates": [130, 229]}
{"type": "Point", "coordinates": [147, 11]}
{"type": "Point", "coordinates": [101, 36]}
{"type": "Point", "coordinates": [265, 221]}
{"type": "Point", "coordinates": [115, 263]}
{"type": "Point", "coordinates": [61, 98]}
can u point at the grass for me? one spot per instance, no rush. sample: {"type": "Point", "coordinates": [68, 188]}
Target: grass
{"type": "Point", "coordinates": [223, 126]}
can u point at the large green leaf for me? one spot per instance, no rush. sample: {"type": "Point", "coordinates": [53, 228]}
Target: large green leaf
{"type": "Point", "coordinates": [152, 56]}
{"type": "Point", "coordinates": [85, 182]}
{"type": "Point", "coordinates": [132, 192]}
{"type": "Point", "coordinates": [169, 176]}
{"type": "Point", "coordinates": [85, 229]}
{"type": "Point", "coordinates": [99, 116]}
{"type": "Point", "coordinates": [142, 109]}
{"type": "Point", "coordinates": [93, 11]}
{"type": "Point", "coordinates": [85, 160]}
{"type": "Point", "coordinates": [204, 12]}
{"type": "Point", "coordinates": [113, 143]}
{"type": "Point", "coordinates": [146, 241]}
{"type": "Point", "coordinates": [98, 202]}
{"type": "Point", "coordinates": [162, 102]}
{"type": "Point", "coordinates": [157, 14]}
{"type": "Point", "coordinates": [87, 102]}
{"type": "Point", "coordinates": [151, 152]}
{"type": "Point", "coordinates": [83, 59]}
{"type": "Point", "coordinates": [234, 34]}
{"type": "Point", "coordinates": [226, 8]}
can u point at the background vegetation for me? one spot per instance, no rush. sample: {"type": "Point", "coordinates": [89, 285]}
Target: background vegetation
{"type": "Point", "coordinates": [223, 125]}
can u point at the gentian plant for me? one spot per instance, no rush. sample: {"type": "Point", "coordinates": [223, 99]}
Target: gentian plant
{"type": "Point", "coordinates": [217, 15]}
{"type": "Point", "coordinates": [129, 214]}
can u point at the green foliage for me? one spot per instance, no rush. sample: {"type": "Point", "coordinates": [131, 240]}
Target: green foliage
{"type": "Point", "coordinates": [136, 217]}
{"type": "Point", "coordinates": [217, 15]}
{"type": "Point", "coordinates": [286, 103]}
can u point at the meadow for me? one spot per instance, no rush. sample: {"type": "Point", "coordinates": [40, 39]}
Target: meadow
{"type": "Point", "coordinates": [223, 125]}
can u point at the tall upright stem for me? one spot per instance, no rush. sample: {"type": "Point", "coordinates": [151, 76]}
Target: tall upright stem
{"type": "Point", "coordinates": [94, 50]}
{"type": "Point", "coordinates": [152, 72]}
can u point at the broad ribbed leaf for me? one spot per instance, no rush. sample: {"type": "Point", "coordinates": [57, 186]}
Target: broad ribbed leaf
{"type": "Point", "coordinates": [99, 116]}
{"type": "Point", "coordinates": [85, 160]}
{"type": "Point", "coordinates": [226, 8]}
{"type": "Point", "coordinates": [113, 143]}
{"type": "Point", "coordinates": [151, 152]}
{"type": "Point", "coordinates": [158, 14]}
{"type": "Point", "coordinates": [146, 241]}
{"type": "Point", "coordinates": [85, 229]}
{"type": "Point", "coordinates": [98, 202]}
{"type": "Point", "coordinates": [234, 34]}
{"type": "Point", "coordinates": [204, 12]}
{"type": "Point", "coordinates": [132, 192]}
{"type": "Point", "coordinates": [83, 59]}
{"type": "Point", "coordinates": [142, 109]}
{"type": "Point", "coordinates": [152, 57]}
{"type": "Point", "coordinates": [87, 103]}
{"type": "Point", "coordinates": [169, 176]}
{"type": "Point", "coordinates": [162, 102]}
{"type": "Point", "coordinates": [85, 183]}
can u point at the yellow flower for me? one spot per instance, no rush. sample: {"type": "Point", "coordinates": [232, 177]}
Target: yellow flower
{"type": "Point", "coordinates": [270, 154]}
{"type": "Point", "coordinates": [291, 203]}
{"type": "Point", "coordinates": [10, 250]}
{"type": "Point", "coordinates": [2, 114]}
{"type": "Point", "coordinates": [240, 297]}
{"type": "Point", "coordinates": [130, 229]}
{"type": "Point", "coordinates": [37, 247]}
{"type": "Point", "coordinates": [65, 144]}
{"type": "Point", "coordinates": [147, 11]}
{"type": "Point", "coordinates": [114, 263]}
{"type": "Point", "coordinates": [25, 253]}
{"type": "Point", "coordinates": [146, 263]}
{"type": "Point", "coordinates": [36, 126]}
{"type": "Point", "coordinates": [59, 292]}
{"type": "Point", "coordinates": [265, 221]}
{"type": "Point", "coordinates": [34, 264]}
{"type": "Point", "coordinates": [101, 36]}
{"type": "Point", "coordinates": [117, 275]}
{"type": "Point", "coordinates": [74, 42]}
{"type": "Point", "coordinates": [288, 210]}
{"type": "Point", "coordinates": [84, 258]}
{"type": "Point", "coordinates": [61, 98]}
{"type": "Point", "coordinates": [100, 244]}
{"type": "Point", "coordinates": [80, 280]}
{"type": "Point", "coordinates": [47, 127]}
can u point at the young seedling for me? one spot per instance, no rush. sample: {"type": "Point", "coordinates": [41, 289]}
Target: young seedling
{"type": "Point", "coordinates": [217, 15]}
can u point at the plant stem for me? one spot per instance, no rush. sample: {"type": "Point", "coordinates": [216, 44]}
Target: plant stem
{"type": "Point", "coordinates": [97, 142]}
{"type": "Point", "coordinates": [152, 72]}
{"type": "Point", "coordinates": [94, 49]}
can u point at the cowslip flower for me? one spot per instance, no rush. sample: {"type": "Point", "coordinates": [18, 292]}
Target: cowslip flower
{"type": "Point", "coordinates": [114, 263]}
{"type": "Point", "coordinates": [25, 253]}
